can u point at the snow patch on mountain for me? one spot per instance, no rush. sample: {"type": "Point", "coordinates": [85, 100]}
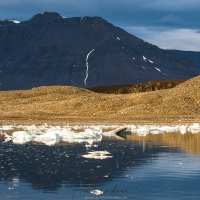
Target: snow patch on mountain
{"type": "Point", "coordinates": [15, 21]}
{"type": "Point", "coordinates": [145, 59]}
{"type": "Point", "coordinates": [160, 71]}
{"type": "Point", "coordinates": [150, 61]}
{"type": "Point", "coordinates": [87, 67]}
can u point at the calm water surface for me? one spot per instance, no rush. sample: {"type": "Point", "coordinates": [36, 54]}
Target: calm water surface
{"type": "Point", "coordinates": [156, 167]}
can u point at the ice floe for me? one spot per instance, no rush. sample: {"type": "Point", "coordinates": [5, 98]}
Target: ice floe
{"type": "Point", "coordinates": [21, 137]}
{"type": "Point", "coordinates": [96, 192]}
{"type": "Point", "coordinates": [90, 135]}
{"type": "Point", "coordinates": [97, 155]}
{"type": "Point", "coordinates": [143, 130]}
{"type": "Point", "coordinates": [52, 135]}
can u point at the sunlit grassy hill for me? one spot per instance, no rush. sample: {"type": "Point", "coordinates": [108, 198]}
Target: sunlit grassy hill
{"type": "Point", "coordinates": [56, 104]}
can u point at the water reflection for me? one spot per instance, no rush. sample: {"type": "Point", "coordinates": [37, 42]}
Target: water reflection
{"type": "Point", "coordinates": [48, 167]}
{"type": "Point", "coordinates": [188, 142]}
{"type": "Point", "coordinates": [139, 167]}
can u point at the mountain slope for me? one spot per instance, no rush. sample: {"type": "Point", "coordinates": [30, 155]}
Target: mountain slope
{"type": "Point", "coordinates": [83, 52]}
{"type": "Point", "coordinates": [192, 55]}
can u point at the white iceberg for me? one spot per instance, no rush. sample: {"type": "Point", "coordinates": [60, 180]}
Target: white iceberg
{"type": "Point", "coordinates": [21, 137]}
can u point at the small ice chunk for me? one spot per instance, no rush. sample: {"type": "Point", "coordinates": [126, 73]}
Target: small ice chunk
{"type": "Point", "coordinates": [21, 137]}
{"type": "Point", "coordinates": [49, 138]}
{"type": "Point", "coordinates": [133, 58]}
{"type": "Point", "coordinates": [118, 38]}
{"type": "Point", "coordinates": [96, 192]}
{"type": "Point", "coordinates": [97, 155]}
{"type": "Point", "coordinates": [143, 67]}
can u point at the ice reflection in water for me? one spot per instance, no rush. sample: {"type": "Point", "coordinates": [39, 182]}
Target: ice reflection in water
{"type": "Point", "coordinates": [156, 166]}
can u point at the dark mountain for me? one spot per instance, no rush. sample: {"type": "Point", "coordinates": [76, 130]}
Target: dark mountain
{"type": "Point", "coordinates": [85, 52]}
{"type": "Point", "coordinates": [192, 55]}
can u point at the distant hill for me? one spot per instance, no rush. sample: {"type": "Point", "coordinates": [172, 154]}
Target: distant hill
{"type": "Point", "coordinates": [81, 51]}
{"type": "Point", "coordinates": [136, 88]}
{"type": "Point", "coordinates": [192, 55]}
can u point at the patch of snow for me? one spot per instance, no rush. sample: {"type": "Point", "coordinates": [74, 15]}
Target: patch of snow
{"type": "Point", "coordinates": [133, 58]}
{"type": "Point", "coordinates": [15, 21]}
{"type": "Point", "coordinates": [118, 38]}
{"type": "Point", "coordinates": [143, 67]}
{"type": "Point", "coordinates": [81, 18]}
{"type": "Point", "coordinates": [144, 58]}
{"type": "Point", "coordinates": [158, 69]}
{"type": "Point", "coordinates": [87, 67]}
{"type": "Point", "coordinates": [150, 61]}
{"type": "Point", "coordinates": [64, 17]}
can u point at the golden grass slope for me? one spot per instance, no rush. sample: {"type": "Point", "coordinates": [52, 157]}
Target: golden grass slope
{"type": "Point", "coordinates": [60, 104]}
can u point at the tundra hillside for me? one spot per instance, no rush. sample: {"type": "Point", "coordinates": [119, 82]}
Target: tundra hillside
{"type": "Point", "coordinates": [65, 104]}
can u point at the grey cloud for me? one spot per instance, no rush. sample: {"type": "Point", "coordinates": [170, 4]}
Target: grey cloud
{"type": "Point", "coordinates": [159, 14]}
{"type": "Point", "coordinates": [119, 12]}
{"type": "Point", "coordinates": [171, 19]}
{"type": "Point", "coordinates": [174, 5]}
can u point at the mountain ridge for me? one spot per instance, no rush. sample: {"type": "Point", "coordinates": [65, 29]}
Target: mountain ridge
{"type": "Point", "coordinates": [84, 52]}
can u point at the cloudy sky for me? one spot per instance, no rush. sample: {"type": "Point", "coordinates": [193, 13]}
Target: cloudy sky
{"type": "Point", "coordinates": [169, 24]}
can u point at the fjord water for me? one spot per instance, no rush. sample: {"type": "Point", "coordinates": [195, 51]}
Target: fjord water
{"type": "Point", "coordinates": [164, 166]}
